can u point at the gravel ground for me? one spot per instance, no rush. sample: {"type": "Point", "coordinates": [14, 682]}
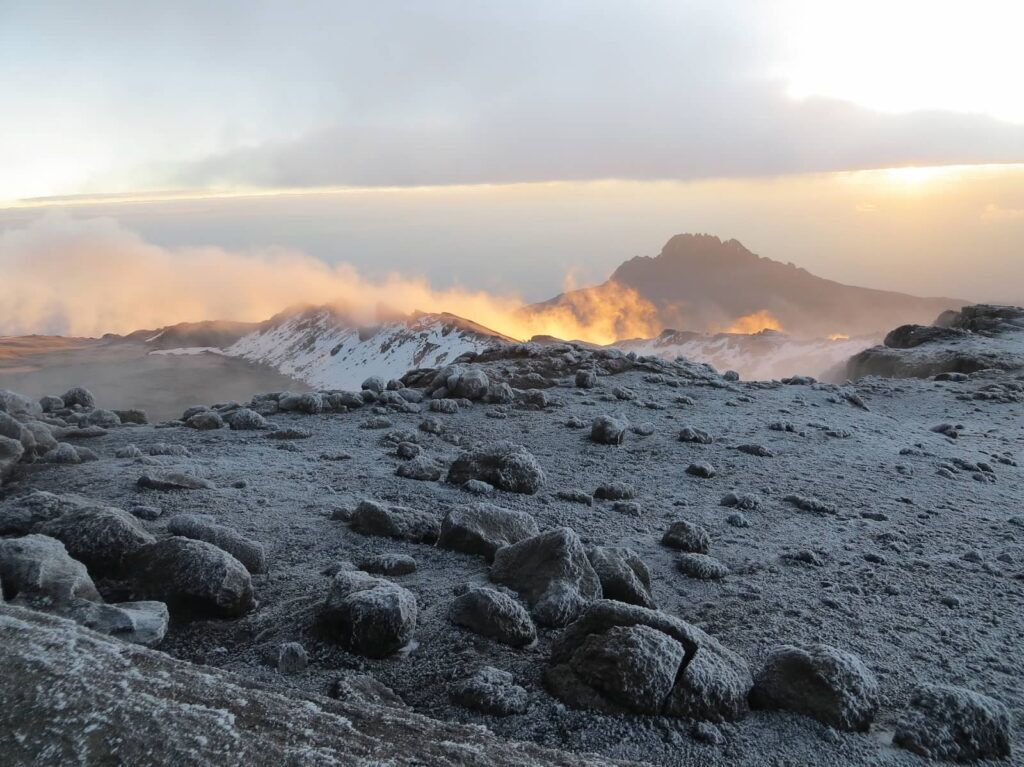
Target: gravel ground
{"type": "Point", "coordinates": [919, 574]}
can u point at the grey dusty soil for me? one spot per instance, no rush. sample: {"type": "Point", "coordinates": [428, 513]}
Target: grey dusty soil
{"type": "Point", "coordinates": [919, 574]}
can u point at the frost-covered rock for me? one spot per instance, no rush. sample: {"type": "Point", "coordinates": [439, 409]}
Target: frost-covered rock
{"type": "Point", "coordinates": [194, 578]}
{"type": "Point", "coordinates": [388, 564]}
{"type": "Point", "coordinates": [78, 396]}
{"type": "Point", "coordinates": [14, 403]}
{"type": "Point", "coordinates": [373, 518]}
{"type": "Point", "coordinates": [206, 420]}
{"type": "Point", "coordinates": [173, 480]}
{"type": "Point", "coordinates": [40, 566]}
{"type": "Point", "coordinates": [713, 683]}
{"type": "Point", "coordinates": [551, 572]}
{"type": "Point", "coordinates": [505, 465]}
{"type": "Point", "coordinates": [492, 614]}
{"type": "Point", "coordinates": [483, 528]}
{"type": "Point", "coordinates": [686, 536]}
{"type": "Point", "coordinates": [103, 539]}
{"type": "Point", "coordinates": [369, 615]}
{"type": "Point", "coordinates": [823, 682]}
{"type": "Point", "coordinates": [470, 383]}
{"type": "Point", "coordinates": [422, 468]}
{"type": "Point", "coordinates": [11, 451]}
{"type": "Point", "coordinates": [954, 724]}
{"type": "Point", "coordinates": [606, 430]}
{"type": "Point", "coordinates": [106, 419]}
{"type": "Point", "coordinates": [701, 567]}
{"type": "Point", "coordinates": [623, 575]}
{"type": "Point", "coordinates": [198, 527]}
{"type": "Point", "coordinates": [490, 691]}
{"type": "Point", "coordinates": [245, 419]}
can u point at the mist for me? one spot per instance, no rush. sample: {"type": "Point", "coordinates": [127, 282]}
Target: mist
{"type": "Point", "coordinates": [65, 276]}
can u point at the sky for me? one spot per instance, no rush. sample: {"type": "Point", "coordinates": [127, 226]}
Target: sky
{"type": "Point", "coordinates": [518, 147]}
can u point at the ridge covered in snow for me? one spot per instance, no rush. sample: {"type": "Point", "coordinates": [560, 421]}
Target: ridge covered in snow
{"type": "Point", "coordinates": [324, 348]}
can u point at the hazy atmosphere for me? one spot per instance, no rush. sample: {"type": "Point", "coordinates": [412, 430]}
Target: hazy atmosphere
{"type": "Point", "coordinates": [555, 383]}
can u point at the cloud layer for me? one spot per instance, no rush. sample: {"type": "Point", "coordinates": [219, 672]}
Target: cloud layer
{"type": "Point", "coordinates": [454, 91]}
{"type": "Point", "coordinates": [88, 277]}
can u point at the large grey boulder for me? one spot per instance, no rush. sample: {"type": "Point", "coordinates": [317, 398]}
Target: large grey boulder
{"type": "Point", "coordinates": [505, 465]}
{"type": "Point", "coordinates": [483, 528]}
{"type": "Point", "coordinates": [634, 667]}
{"type": "Point", "coordinates": [711, 683]}
{"type": "Point", "coordinates": [828, 684]}
{"type": "Point", "coordinates": [39, 566]}
{"type": "Point", "coordinates": [497, 616]}
{"type": "Point", "coordinates": [194, 578]}
{"type": "Point", "coordinates": [954, 724]}
{"type": "Point", "coordinates": [372, 518]}
{"type": "Point", "coordinates": [198, 527]}
{"type": "Point", "coordinates": [369, 615]}
{"type": "Point", "coordinates": [101, 538]}
{"type": "Point", "coordinates": [551, 572]}
{"type": "Point", "coordinates": [105, 419]}
{"type": "Point", "coordinates": [623, 575]}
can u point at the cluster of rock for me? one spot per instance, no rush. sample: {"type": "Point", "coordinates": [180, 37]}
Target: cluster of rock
{"type": "Point", "coordinates": [56, 547]}
{"type": "Point", "coordinates": [975, 339]}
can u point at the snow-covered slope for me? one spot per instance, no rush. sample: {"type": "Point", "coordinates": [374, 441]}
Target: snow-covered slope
{"type": "Point", "coordinates": [326, 349]}
{"type": "Point", "coordinates": [765, 355]}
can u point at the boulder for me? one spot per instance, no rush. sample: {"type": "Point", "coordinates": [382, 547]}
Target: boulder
{"type": "Point", "coordinates": [292, 658]}
{"type": "Point", "coordinates": [497, 616]}
{"type": "Point", "coordinates": [687, 536]}
{"type": "Point", "coordinates": [38, 566]}
{"type": "Point", "coordinates": [490, 691]}
{"type": "Point", "coordinates": [623, 575]}
{"type": "Point", "coordinates": [50, 404]}
{"type": "Point", "coordinates": [64, 453]}
{"type": "Point", "coordinates": [196, 526]}
{"type": "Point", "coordinates": [551, 572]}
{"type": "Point", "coordinates": [632, 667]}
{"type": "Point", "coordinates": [372, 518]}
{"type": "Point", "coordinates": [821, 682]}
{"type": "Point", "coordinates": [80, 397]}
{"type": "Point", "coordinates": [422, 468]}
{"type": "Point", "coordinates": [606, 430]}
{"type": "Point", "coordinates": [206, 420]}
{"type": "Point", "coordinates": [195, 578]}
{"type": "Point", "coordinates": [472, 384]}
{"type": "Point", "coordinates": [102, 538]}
{"type": "Point", "coordinates": [245, 419]}
{"type": "Point", "coordinates": [371, 616]}
{"type": "Point", "coordinates": [133, 415]}
{"type": "Point", "coordinates": [24, 514]}
{"type": "Point", "coordinates": [505, 465]}
{"type": "Point", "coordinates": [694, 435]}
{"type": "Point", "coordinates": [701, 567]}
{"type": "Point", "coordinates": [954, 724]}
{"type": "Point", "coordinates": [483, 528]}
{"type": "Point", "coordinates": [15, 404]}
{"type": "Point", "coordinates": [586, 379]}
{"type": "Point", "coordinates": [615, 491]}
{"type": "Point", "coordinates": [712, 683]}
{"type": "Point", "coordinates": [374, 384]}
{"type": "Point", "coordinates": [106, 419]}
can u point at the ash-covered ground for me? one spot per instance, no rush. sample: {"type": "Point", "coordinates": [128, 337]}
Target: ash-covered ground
{"type": "Point", "coordinates": [883, 519]}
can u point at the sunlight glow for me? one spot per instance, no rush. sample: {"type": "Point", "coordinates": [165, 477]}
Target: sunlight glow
{"type": "Point", "coordinates": [908, 56]}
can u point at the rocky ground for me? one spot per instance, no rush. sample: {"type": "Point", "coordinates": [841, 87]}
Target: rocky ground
{"type": "Point", "coordinates": [585, 551]}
